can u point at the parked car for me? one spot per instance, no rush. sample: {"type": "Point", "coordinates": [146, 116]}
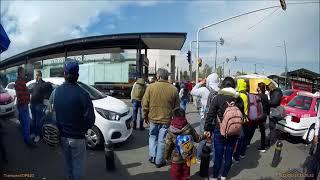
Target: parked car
{"type": "Point", "coordinates": [7, 105]}
{"type": "Point", "coordinates": [301, 116]}
{"type": "Point", "coordinates": [288, 95]}
{"type": "Point", "coordinates": [113, 116]}
{"type": "Point", "coordinates": [10, 88]}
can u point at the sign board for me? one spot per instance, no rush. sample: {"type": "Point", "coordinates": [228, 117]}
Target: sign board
{"type": "Point", "coordinates": [301, 86]}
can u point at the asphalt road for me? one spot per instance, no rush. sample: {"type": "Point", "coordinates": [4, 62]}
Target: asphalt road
{"type": "Point", "coordinates": [44, 162]}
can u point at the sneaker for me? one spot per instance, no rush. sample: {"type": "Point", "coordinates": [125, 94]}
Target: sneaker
{"type": "Point", "coordinates": [248, 145]}
{"type": "Point", "coordinates": [152, 160]}
{"type": "Point", "coordinates": [32, 136]}
{"type": "Point", "coordinates": [235, 161]}
{"type": "Point", "coordinates": [160, 165]}
{"type": "Point", "coordinates": [242, 156]}
{"type": "Point", "coordinates": [262, 150]}
{"type": "Point", "coordinates": [36, 139]}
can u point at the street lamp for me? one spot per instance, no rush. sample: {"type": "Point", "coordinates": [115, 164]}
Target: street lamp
{"type": "Point", "coordinates": [221, 42]}
{"type": "Point", "coordinates": [286, 67]}
{"type": "Point", "coordinates": [282, 4]}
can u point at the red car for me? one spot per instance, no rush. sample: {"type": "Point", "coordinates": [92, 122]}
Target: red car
{"type": "Point", "coordinates": [288, 95]}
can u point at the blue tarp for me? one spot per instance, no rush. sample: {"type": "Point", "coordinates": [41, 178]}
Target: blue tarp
{"type": "Point", "coordinates": [4, 40]}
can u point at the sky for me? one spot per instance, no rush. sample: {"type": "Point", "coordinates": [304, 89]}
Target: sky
{"type": "Point", "coordinates": [254, 39]}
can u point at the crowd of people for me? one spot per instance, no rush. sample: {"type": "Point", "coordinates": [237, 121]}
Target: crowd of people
{"type": "Point", "coordinates": [229, 116]}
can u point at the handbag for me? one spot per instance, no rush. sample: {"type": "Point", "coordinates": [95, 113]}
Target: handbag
{"type": "Point", "coordinates": [277, 113]}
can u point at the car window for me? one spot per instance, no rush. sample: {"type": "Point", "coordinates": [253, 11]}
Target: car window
{"type": "Point", "coordinates": [10, 86]}
{"type": "Point", "coordinates": [94, 93]}
{"type": "Point", "coordinates": [287, 92]}
{"type": "Point", "coordinates": [301, 102]}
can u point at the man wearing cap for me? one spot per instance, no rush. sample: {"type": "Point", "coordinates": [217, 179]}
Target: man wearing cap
{"type": "Point", "coordinates": [74, 116]}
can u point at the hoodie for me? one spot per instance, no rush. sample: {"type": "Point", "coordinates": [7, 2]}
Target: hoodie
{"type": "Point", "coordinates": [219, 105]}
{"type": "Point", "coordinates": [242, 89]}
{"type": "Point", "coordinates": [212, 83]}
{"type": "Point", "coordinates": [179, 125]}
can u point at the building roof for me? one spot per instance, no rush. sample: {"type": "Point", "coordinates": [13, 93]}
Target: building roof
{"type": "Point", "coordinates": [98, 45]}
{"type": "Point", "coordinates": [304, 73]}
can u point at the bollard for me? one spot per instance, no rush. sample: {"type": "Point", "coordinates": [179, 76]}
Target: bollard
{"type": "Point", "coordinates": [109, 156]}
{"type": "Point", "coordinates": [277, 154]}
{"type": "Point", "coordinates": [205, 161]}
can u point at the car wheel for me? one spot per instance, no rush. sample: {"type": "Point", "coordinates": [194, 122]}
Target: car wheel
{"type": "Point", "coordinates": [310, 134]}
{"type": "Point", "coordinates": [94, 138]}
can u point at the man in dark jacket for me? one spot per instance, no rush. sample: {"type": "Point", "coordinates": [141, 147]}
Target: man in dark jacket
{"type": "Point", "coordinates": [275, 100]}
{"type": "Point", "coordinates": [223, 147]}
{"type": "Point", "coordinates": [38, 94]}
{"type": "Point", "coordinates": [74, 115]}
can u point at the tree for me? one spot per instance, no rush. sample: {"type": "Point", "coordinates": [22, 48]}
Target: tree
{"type": "Point", "coordinates": [220, 72]}
{"type": "Point", "coordinates": [185, 75]}
{"type": "Point", "coordinates": [206, 70]}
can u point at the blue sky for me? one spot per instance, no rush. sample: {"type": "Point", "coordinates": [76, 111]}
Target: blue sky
{"type": "Point", "coordinates": [28, 26]}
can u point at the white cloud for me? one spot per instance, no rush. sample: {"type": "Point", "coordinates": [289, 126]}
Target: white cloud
{"type": "Point", "coordinates": [31, 24]}
{"type": "Point", "coordinates": [299, 26]}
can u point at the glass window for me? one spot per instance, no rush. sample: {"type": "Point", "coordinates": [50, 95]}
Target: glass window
{"type": "Point", "coordinates": [287, 92]}
{"type": "Point", "coordinates": [94, 93]}
{"type": "Point", "coordinates": [301, 102]}
{"type": "Point", "coordinates": [317, 105]}
{"type": "Point", "coordinates": [10, 86]}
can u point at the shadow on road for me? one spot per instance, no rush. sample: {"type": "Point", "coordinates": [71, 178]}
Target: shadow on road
{"type": "Point", "coordinates": [251, 160]}
{"type": "Point", "coordinates": [137, 140]}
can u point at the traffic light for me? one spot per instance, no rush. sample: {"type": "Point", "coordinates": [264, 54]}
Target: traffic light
{"type": "Point", "coordinates": [189, 57]}
{"type": "Point", "coordinates": [283, 4]}
{"type": "Point", "coordinates": [221, 41]}
{"type": "Point", "coordinates": [199, 62]}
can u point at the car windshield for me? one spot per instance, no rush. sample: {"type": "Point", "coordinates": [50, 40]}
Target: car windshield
{"type": "Point", "coordinates": [287, 92]}
{"type": "Point", "coordinates": [94, 93]}
{"type": "Point", "coordinates": [2, 90]}
{"type": "Point", "coordinates": [301, 102]}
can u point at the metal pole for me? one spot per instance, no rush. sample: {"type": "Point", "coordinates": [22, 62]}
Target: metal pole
{"type": "Point", "coordinates": [215, 60]}
{"type": "Point", "coordinates": [286, 70]}
{"type": "Point", "coordinates": [197, 65]}
{"type": "Point", "coordinates": [190, 64]}
{"type": "Point", "coordinates": [255, 68]}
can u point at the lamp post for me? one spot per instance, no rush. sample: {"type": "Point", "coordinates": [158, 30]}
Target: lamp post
{"type": "Point", "coordinates": [221, 41]}
{"type": "Point", "coordinates": [282, 4]}
{"type": "Point", "coordinates": [286, 67]}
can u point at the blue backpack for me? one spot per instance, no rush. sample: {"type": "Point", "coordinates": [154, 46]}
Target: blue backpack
{"type": "Point", "coordinates": [185, 146]}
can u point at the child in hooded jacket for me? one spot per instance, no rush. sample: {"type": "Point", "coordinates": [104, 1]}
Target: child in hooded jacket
{"type": "Point", "coordinates": [180, 168]}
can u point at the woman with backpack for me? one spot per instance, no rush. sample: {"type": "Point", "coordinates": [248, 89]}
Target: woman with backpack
{"type": "Point", "coordinates": [223, 122]}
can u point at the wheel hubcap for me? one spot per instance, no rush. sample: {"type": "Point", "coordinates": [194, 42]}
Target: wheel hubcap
{"type": "Point", "coordinates": [92, 138]}
{"type": "Point", "coordinates": [311, 135]}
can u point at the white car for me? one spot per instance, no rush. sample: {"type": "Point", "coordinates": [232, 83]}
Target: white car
{"type": "Point", "coordinates": [113, 117]}
{"type": "Point", "coordinates": [301, 116]}
{"type": "Point", "coordinates": [7, 100]}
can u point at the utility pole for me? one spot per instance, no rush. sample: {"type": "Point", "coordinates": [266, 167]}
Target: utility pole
{"type": "Point", "coordinates": [286, 70]}
{"type": "Point", "coordinates": [255, 68]}
{"type": "Point", "coordinates": [215, 60]}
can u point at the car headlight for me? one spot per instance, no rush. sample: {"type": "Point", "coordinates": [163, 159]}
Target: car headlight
{"type": "Point", "coordinates": [109, 115]}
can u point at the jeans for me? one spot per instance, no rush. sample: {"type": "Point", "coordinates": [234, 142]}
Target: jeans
{"type": "Point", "coordinates": [157, 134]}
{"type": "Point", "coordinates": [242, 143]}
{"type": "Point", "coordinates": [179, 171]}
{"type": "Point", "coordinates": [203, 142]}
{"type": "Point", "coordinates": [184, 104]}
{"type": "Point", "coordinates": [75, 157]}
{"type": "Point", "coordinates": [273, 132]}
{"type": "Point", "coordinates": [24, 118]}
{"type": "Point", "coordinates": [37, 118]}
{"type": "Point", "coordinates": [223, 147]}
{"type": "Point", "coordinates": [137, 107]}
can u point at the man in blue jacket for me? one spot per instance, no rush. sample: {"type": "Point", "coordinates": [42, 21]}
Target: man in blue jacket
{"type": "Point", "coordinates": [74, 115]}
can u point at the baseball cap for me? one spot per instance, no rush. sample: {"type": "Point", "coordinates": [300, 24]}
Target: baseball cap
{"type": "Point", "coordinates": [71, 66]}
